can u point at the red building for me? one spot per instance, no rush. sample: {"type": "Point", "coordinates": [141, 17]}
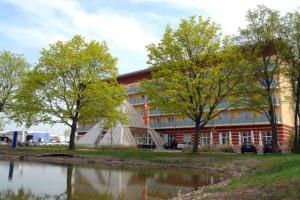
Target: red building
{"type": "Point", "coordinates": [232, 127]}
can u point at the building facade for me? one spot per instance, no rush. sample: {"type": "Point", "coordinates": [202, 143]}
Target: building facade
{"type": "Point", "coordinates": [232, 127]}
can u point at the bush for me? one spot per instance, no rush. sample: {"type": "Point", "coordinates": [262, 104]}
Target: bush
{"type": "Point", "coordinates": [219, 148]}
{"type": "Point", "coordinates": [226, 149]}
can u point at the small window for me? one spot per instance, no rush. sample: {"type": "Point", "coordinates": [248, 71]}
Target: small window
{"type": "Point", "coordinates": [204, 139]}
{"type": "Point", "coordinates": [187, 138]}
{"type": "Point", "coordinates": [225, 139]}
{"type": "Point", "coordinates": [224, 115]}
{"type": "Point", "coordinates": [171, 119]}
{"type": "Point", "coordinates": [245, 137]}
{"type": "Point", "coordinates": [267, 137]}
{"type": "Point", "coordinates": [245, 115]}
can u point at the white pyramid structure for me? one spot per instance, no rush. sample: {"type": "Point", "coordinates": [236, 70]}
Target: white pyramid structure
{"type": "Point", "coordinates": [121, 135]}
{"type": "Point", "coordinates": [92, 137]}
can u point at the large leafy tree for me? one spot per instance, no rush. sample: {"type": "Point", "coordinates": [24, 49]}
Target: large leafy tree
{"type": "Point", "coordinates": [292, 56]}
{"type": "Point", "coordinates": [192, 72]}
{"type": "Point", "coordinates": [12, 68]}
{"type": "Point", "coordinates": [262, 46]}
{"type": "Point", "coordinates": [74, 81]}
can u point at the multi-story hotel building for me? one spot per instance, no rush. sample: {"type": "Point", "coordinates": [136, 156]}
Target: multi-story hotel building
{"type": "Point", "coordinates": [231, 127]}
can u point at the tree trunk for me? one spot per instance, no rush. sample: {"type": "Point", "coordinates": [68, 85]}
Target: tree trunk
{"type": "Point", "coordinates": [72, 135]}
{"type": "Point", "coordinates": [298, 132]}
{"type": "Point", "coordinates": [296, 144]}
{"type": "Point", "coordinates": [274, 131]}
{"type": "Point", "coordinates": [69, 182]}
{"type": "Point", "coordinates": [196, 138]}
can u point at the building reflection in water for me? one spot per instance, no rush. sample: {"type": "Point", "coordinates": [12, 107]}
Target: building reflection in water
{"type": "Point", "coordinates": [140, 184]}
{"type": "Point", "coordinates": [94, 182]}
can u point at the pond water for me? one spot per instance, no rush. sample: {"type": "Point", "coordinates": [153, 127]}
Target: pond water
{"type": "Point", "coordinates": [31, 180]}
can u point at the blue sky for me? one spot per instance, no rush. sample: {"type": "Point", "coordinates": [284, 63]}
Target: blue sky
{"type": "Point", "coordinates": [127, 26]}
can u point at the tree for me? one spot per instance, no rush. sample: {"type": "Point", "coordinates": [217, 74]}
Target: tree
{"type": "Point", "coordinates": [291, 32]}
{"type": "Point", "coordinates": [192, 72]}
{"type": "Point", "coordinates": [74, 81]}
{"type": "Point", "coordinates": [261, 44]}
{"type": "Point", "coordinates": [12, 68]}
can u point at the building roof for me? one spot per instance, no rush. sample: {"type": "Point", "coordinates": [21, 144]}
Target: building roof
{"type": "Point", "coordinates": [138, 72]}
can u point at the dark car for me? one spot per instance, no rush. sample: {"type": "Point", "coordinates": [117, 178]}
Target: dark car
{"type": "Point", "coordinates": [170, 145]}
{"type": "Point", "coordinates": [248, 147]}
{"type": "Point", "coordinates": [268, 147]}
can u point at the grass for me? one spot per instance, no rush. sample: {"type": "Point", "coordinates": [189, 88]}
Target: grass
{"type": "Point", "coordinates": [277, 177]}
{"type": "Point", "coordinates": [121, 153]}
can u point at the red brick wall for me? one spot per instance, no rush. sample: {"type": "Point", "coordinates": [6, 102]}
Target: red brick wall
{"type": "Point", "coordinates": [283, 132]}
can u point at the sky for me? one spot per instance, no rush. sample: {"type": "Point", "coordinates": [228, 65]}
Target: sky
{"type": "Point", "coordinates": [128, 26]}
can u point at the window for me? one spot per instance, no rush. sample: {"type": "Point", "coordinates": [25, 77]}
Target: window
{"type": "Point", "coordinates": [158, 121]}
{"type": "Point", "coordinates": [132, 88]}
{"type": "Point", "coordinates": [187, 138]}
{"type": "Point", "coordinates": [245, 115]}
{"type": "Point", "coordinates": [224, 116]}
{"type": "Point", "coordinates": [171, 119]}
{"type": "Point", "coordinates": [224, 138]}
{"type": "Point", "coordinates": [245, 137]}
{"type": "Point", "coordinates": [204, 139]}
{"type": "Point", "coordinates": [267, 136]}
{"type": "Point", "coordinates": [168, 138]}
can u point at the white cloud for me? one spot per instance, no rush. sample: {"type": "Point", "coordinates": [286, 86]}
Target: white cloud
{"type": "Point", "coordinates": [48, 21]}
{"type": "Point", "coordinates": [230, 14]}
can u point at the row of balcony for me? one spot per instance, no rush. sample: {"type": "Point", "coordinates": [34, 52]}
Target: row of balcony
{"type": "Point", "coordinates": [215, 122]}
{"type": "Point", "coordinates": [224, 104]}
{"type": "Point", "coordinates": [226, 121]}
{"type": "Point", "coordinates": [154, 112]}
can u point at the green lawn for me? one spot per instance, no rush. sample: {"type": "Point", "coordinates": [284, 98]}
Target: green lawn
{"type": "Point", "coordinates": [277, 177]}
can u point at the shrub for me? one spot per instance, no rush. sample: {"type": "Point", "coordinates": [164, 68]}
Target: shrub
{"type": "Point", "coordinates": [226, 149]}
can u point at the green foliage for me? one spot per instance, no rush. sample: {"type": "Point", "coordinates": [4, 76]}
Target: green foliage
{"type": "Point", "coordinates": [291, 23]}
{"type": "Point", "coordinates": [262, 46]}
{"type": "Point", "coordinates": [74, 81]}
{"type": "Point", "coordinates": [12, 68]}
{"type": "Point", "coordinates": [192, 70]}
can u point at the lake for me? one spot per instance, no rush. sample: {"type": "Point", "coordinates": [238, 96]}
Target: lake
{"type": "Point", "coordinates": [32, 180]}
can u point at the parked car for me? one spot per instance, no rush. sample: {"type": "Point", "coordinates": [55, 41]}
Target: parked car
{"type": "Point", "coordinates": [170, 145]}
{"type": "Point", "coordinates": [268, 147]}
{"type": "Point", "coordinates": [248, 147]}
{"type": "Point", "coordinates": [183, 145]}
{"type": "Point", "coordinates": [4, 140]}
{"type": "Point", "coordinates": [31, 143]}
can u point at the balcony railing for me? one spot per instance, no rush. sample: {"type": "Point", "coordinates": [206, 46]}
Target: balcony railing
{"type": "Point", "coordinates": [131, 90]}
{"type": "Point", "coordinates": [218, 122]}
{"type": "Point", "coordinates": [155, 112]}
{"type": "Point", "coordinates": [136, 101]}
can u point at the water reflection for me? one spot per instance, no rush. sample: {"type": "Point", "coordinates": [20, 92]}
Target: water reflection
{"type": "Point", "coordinates": [11, 170]}
{"type": "Point", "coordinates": [89, 182]}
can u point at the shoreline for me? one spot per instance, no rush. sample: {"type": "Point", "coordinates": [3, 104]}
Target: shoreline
{"type": "Point", "coordinates": [71, 159]}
